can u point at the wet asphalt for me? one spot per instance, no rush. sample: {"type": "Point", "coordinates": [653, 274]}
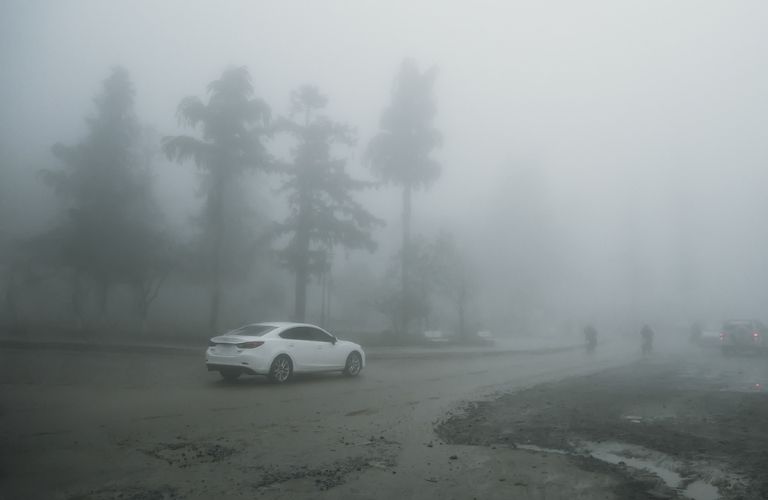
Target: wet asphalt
{"type": "Point", "coordinates": [155, 426]}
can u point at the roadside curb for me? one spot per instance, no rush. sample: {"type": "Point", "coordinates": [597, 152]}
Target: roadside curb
{"type": "Point", "coordinates": [199, 351]}
{"type": "Point", "coordinates": [77, 346]}
{"type": "Point", "coordinates": [465, 354]}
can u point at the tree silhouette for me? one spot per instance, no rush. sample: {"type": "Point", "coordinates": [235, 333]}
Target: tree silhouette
{"type": "Point", "coordinates": [233, 125]}
{"type": "Point", "coordinates": [400, 153]}
{"type": "Point", "coordinates": [453, 277]}
{"type": "Point", "coordinates": [111, 232]}
{"type": "Point", "coordinates": [323, 211]}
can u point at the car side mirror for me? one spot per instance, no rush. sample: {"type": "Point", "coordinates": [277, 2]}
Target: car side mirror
{"type": "Point", "coordinates": [334, 339]}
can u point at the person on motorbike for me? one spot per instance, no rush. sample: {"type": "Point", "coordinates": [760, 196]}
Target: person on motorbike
{"type": "Point", "coordinates": [696, 332]}
{"type": "Point", "coordinates": [647, 335]}
{"type": "Point", "coordinates": [590, 335]}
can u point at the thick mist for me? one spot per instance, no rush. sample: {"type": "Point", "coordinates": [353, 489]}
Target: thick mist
{"type": "Point", "coordinates": [595, 162]}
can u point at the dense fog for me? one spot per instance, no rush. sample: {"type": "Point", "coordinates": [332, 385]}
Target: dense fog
{"type": "Point", "coordinates": [567, 163]}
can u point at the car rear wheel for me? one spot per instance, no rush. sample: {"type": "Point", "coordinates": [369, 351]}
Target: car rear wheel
{"type": "Point", "coordinates": [230, 375]}
{"type": "Point", "coordinates": [281, 369]}
{"type": "Point", "coordinates": [354, 365]}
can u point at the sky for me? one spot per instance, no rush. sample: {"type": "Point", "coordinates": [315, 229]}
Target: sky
{"type": "Point", "coordinates": [636, 114]}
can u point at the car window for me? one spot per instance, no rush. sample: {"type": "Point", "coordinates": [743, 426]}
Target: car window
{"type": "Point", "coordinates": [319, 335]}
{"type": "Point", "coordinates": [297, 333]}
{"type": "Point", "coordinates": [291, 334]}
{"type": "Point", "coordinates": [736, 325]}
{"type": "Point", "coordinates": [252, 330]}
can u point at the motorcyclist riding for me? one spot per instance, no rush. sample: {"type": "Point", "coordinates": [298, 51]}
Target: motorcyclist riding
{"type": "Point", "coordinates": [696, 332]}
{"type": "Point", "coordinates": [647, 334]}
{"type": "Point", "coordinates": [590, 335]}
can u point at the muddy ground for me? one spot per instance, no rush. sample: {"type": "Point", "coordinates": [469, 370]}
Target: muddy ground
{"type": "Point", "coordinates": [694, 426]}
{"type": "Point", "coordinates": [132, 426]}
{"type": "Point", "coordinates": [143, 426]}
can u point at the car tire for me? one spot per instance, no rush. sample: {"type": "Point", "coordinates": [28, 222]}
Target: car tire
{"type": "Point", "coordinates": [281, 369]}
{"type": "Point", "coordinates": [353, 365]}
{"type": "Point", "coordinates": [230, 375]}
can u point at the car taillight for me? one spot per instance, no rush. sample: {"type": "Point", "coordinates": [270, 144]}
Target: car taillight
{"type": "Point", "coordinates": [755, 335]}
{"type": "Point", "coordinates": [250, 345]}
{"type": "Point", "coordinates": [722, 335]}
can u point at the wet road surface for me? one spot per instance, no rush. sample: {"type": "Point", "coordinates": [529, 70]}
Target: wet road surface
{"type": "Point", "coordinates": [103, 426]}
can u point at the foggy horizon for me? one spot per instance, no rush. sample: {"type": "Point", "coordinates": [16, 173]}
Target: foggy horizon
{"type": "Point", "coordinates": [599, 162]}
{"type": "Point", "coordinates": [364, 250]}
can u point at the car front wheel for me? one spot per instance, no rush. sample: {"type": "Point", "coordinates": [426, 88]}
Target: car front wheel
{"type": "Point", "coordinates": [354, 364]}
{"type": "Point", "coordinates": [281, 369]}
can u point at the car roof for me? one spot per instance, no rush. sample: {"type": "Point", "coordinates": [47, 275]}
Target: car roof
{"type": "Point", "coordinates": [283, 324]}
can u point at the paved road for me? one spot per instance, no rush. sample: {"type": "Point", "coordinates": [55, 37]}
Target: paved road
{"type": "Point", "coordinates": [143, 426]}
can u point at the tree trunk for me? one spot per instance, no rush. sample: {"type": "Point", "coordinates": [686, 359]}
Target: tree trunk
{"type": "Point", "coordinates": [405, 261]}
{"type": "Point", "coordinates": [424, 309]}
{"type": "Point", "coordinates": [327, 287]}
{"type": "Point", "coordinates": [102, 303]}
{"type": "Point", "coordinates": [143, 314]}
{"type": "Point", "coordinates": [300, 293]}
{"type": "Point", "coordinates": [461, 306]}
{"type": "Point", "coordinates": [213, 318]}
{"type": "Point", "coordinates": [78, 296]}
{"type": "Point", "coordinates": [217, 219]}
{"type": "Point", "coordinates": [326, 282]}
{"type": "Point", "coordinates": [141, 305]}
{"type": "Point", "coordinates": [11, 303]}
{"type": "Point", "coordinates": [103, 298]}
{"type": "Point", "coordinates": [323, 297]}
{"type": "Point", "coordinates": [301, 247]}
{"type": "Point", "coordinates": [146, 292]}
{"type": "Point", "coordinates": [301, 254]}
{"type": "Point", "coordinates": [302, 275]}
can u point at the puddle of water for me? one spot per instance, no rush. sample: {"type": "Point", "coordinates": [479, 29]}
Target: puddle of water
{"type": "Point", "coordinates": [640, 458]}
{"type": "Point", "coordinates": [661, 465]}
{"type": "Point", "coordinates": [700, 490]}
{"type": "Point", "coordinates": [533, 447]}
{"type": "Point", "coordinates": [615, 453]}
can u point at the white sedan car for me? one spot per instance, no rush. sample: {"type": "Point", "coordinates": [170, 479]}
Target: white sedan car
{"type": "Point", "coordinates": [278, 350]}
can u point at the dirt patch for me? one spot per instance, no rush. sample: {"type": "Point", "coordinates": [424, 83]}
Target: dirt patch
{"type": "Point", "coordinates": [130, 493]}
{"type": "Point", "coordinates": [379, 453]}
{"type": "Point", "coordinates": [705, 419]}
{"type": "Point", "coordinates": [324, 478]}
{"type": "Point", "coordinates": [185, 454]}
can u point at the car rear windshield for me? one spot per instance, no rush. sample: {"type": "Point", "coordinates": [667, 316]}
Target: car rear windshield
{"type": "Point", "coordinates": [252, 330]}
{"type": "Point", "coordinates": [737, 325]}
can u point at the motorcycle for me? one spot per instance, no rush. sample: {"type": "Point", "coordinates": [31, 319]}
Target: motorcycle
{"type": "Point", "coordinates": [647, 334]}
{"type": "Point", "coordinates": [647, 346]}
{"type": "Point", "coordinates": [591, 345]}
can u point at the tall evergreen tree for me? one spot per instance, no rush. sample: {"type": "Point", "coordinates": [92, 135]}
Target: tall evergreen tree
{"type": "Point", "coordinates": [323, 211]}
{"type": "Point", "coordinates": [110, 234]}
{"type": "Point", "coordinates": [400, 154]}
{"type": "Point", "coordinates": [234, 124]}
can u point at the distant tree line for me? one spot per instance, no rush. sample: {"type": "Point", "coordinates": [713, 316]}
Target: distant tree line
{"type": "Point", "coordinates": [111, 233]}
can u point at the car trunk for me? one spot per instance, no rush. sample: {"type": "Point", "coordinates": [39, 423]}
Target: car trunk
{"type": "Point", "coordinates": [740, 335]}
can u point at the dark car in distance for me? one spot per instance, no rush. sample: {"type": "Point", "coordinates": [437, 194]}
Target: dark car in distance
{"type": "Point", "coordinates": [747, 336]}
